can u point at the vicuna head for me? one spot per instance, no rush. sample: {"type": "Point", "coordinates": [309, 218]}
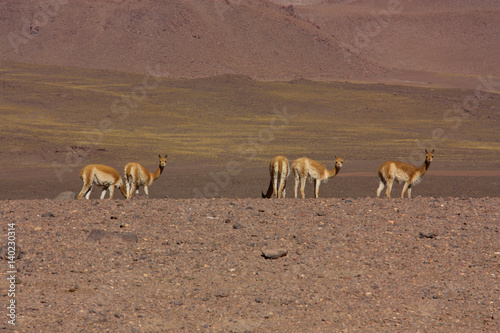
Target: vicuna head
{"type": "Point", "coordinates": [163, 161]}
{"type": "Point", "coordinates": [429, 155]}
{"type": "Point", "coordinates": [339, 161]}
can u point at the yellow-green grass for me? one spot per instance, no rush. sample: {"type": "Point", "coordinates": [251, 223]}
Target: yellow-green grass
{"type": "Point", "coordinates": [46, 109]}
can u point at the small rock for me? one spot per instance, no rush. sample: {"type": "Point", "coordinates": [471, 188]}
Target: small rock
{"type": "Point", "coordinates": [68, 195]}
{"type": "Point", "coordinates": [4, 253]}
{"type": "Point", "coordinates": [427, 235]}
{"type": "Point", "coordinates": [274, 253]}
{"type": "Point", "coordinates": [237, 225]}
{"type": "Point", "coordinates": [48, 214]}
{"type": "Point", "coordinates": [98, 235]}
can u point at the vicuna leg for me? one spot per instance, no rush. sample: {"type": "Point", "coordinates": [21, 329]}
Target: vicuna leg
{"type": "Point", "coordinates": [132, 189]}
{"type": "Point", "coordinates": [281, 190]}
{"type": "Point", "coordinates": [302, 186]}
{"type": "Point", "coordinates": [296, 184]}
{"type": "Point", "coordinates": [316, 187]}
{"type": "Point", "coordinates": [87, 196]}
{"type": "Point", "coordinates": [406, 189]}
{"type": "Point", "coordinates": [103, 193]}
{"type": "Point", "coordinates": [380, 187]}
{"type": "Point", "coordinates": [389, 187]}
{"type": "Point", "coordinates": [146, 190]}
{"type": "Point", "coordinates": [275, 181]}
{"type": "Point", "coordinates": [111, 191]}
{"type": "Point", "coordinates": [86, 189]}
{"type": "Point", "coordinates": [127, 186]}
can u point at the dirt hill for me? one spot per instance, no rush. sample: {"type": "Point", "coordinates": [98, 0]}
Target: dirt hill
{"type": "Point", "coordinates": [262, 39]}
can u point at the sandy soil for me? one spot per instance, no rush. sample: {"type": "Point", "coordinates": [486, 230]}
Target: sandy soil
{"type": "Point", "coordinates": [256, 265]}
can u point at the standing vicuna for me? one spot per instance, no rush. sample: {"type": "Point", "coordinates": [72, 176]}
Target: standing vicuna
{"type": "Point", "coordinates": [392, 171]}
{"type": "Point", "coordinates": [101, 175]}
{"type": "Point", "coordinates": [279, 170]}
{"type": "Point", "coordinates": [305, 168]}
{"type": "Point", "coordinates": [136, 176]}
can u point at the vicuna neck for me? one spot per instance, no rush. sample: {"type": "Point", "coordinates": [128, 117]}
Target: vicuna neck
{"type": "Point", "coordinates": [123, 190]}
{"type": "Point", "coordinates": [333, 172]}
{"type": "Point", "coordinates": [423, 169]}
{"type": "Point", "coordinates": [158, 172]}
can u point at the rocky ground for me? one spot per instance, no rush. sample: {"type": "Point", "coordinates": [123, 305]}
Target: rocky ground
{"type": "Point", "coordinates": [254, 265]}
{"type": "Point", "coordinates": [347, 262]}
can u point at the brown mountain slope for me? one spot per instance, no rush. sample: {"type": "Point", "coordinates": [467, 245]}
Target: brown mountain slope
{"type": "Point", "coordinates": [186, 38]}
{"type": "Point", "coordinates": [459, 37]}
{"type": "Point", "coordinates": [264, 39]}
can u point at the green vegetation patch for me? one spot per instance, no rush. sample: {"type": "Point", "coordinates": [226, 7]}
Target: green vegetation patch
{"type": "Point", "coordinates": [212, 120]}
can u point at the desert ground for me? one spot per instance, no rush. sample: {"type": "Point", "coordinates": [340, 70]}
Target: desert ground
{"type": "Point", "coordinates": [221, 87]}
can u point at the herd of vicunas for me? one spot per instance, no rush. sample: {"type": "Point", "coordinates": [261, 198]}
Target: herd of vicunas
{"type": "Point", "coordinates": [304, 168]}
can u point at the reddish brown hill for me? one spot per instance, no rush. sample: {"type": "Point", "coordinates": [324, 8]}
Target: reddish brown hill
{"type": "Point", "coordinates": [459, 37]}
{"type": "Point", "coordinates": [187, 38]}
{"type": "Point", "coordinates": [264, 39]}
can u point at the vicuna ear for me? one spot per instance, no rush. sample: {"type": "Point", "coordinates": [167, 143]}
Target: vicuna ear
{"type": "Point", "coordinates": [159, 155]}
{"type": "Point", "coordinates": [166, 155]}
{"type": "Point", "coordinates": [432, 150]}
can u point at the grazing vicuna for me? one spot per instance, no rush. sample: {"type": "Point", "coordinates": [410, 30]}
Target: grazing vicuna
{"type": "Point", "coordinates": [279, 169]}
{"type": "Point", "coordinates": [392, 171]}
{"type": "Point", "coordinates": [136, 176]}
{"type": "Point", "coordinates": [305, 168]}
{"type": "Point", "coordinates": [100, 175]}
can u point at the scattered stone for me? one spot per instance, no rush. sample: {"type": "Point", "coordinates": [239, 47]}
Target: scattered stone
{"type": "Point", "coordinates": [274, 253]}
{"type": "Point", "coordinates": [427, 235]}
{"type": "Point", "coordinates": [99, 235]}
{"type": "Point", "coordinates": [4, 253]}
{"type": "Point", "coordinates": [48, 214]}
{"type": "Point", "coordinates": [68, 195]}
{"type": "Point", "coordinates": [237, 225]}
{"type": "Point", "coordinates": [222, 294]}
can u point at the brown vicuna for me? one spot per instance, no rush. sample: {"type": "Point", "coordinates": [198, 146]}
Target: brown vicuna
{"type": "Point", "coordinates": [392, 171]}
{"type": "Point", "coordinates": [136, 176]}
{"type": "Point", "coordinates": [279, 170]}
{"type": "Point", "coordinates": [304, 168]}
{"type": "Point", "coordinates": [101, 175]}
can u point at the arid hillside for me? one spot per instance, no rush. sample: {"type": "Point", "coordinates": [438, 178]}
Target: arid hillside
{"type": "Point", "coordinates": [262, 39]}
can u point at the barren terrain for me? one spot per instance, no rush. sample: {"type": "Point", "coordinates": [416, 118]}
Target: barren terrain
{"type": "Point", "coordinates": [163, 265]}
{"type": "Point", "coordinates": [222, 87]}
